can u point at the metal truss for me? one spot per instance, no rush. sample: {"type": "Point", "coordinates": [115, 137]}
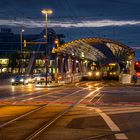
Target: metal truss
{"type": "Point", "coordinates": [85, 47]}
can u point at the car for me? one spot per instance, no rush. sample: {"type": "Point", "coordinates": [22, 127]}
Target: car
{"type": "Point", "coordinates": [41, 78]}
{"type": "Point", "coordinates": [35, 78]}
{"type": "Point", "coordinates": [31, 78]}
{"type": "Point", "coordinates": [19, 79]}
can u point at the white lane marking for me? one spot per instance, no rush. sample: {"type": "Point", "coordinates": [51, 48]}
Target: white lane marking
{"type": "Point", "coordinates": [91, 93]}
{"type": "Point", "coordinates": [94, 96]}
{"type": "Point", "coordinates": [111, 125]}
{"type": "Point", "coordinates": [121, 136]}
{"type": "Point", "coordinates": [99, 98]}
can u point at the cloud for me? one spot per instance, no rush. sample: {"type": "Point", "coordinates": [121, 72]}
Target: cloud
{"type": "Point", "coordinates": [68, 23]}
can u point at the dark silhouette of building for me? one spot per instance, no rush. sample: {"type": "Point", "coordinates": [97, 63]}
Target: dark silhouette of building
{"type": "Point", "coordinates": [15, 61]}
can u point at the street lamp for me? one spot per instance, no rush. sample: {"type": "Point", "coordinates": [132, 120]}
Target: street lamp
{"type": "Point", "coordinates": [21, 39]}
{"type": "Point", "coordinates": [22, 30]}
{"type": "Point", "coordinates": [47, 12]}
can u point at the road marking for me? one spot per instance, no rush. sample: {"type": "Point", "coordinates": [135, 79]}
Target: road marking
{"type": "Point", "coordinates": [93, 92]}
{"type": "Point", "coordinates": [98, 94]}
{"type": "Point", "coordinates": [111, 125]}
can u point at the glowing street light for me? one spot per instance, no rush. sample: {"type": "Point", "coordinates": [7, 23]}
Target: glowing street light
{"type": "Point", "coordinates": [46, 12]}
{"type": "Point", "coordinates": [21, 32]}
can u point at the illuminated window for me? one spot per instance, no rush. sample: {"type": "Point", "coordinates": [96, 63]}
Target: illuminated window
{"type": "Point", "coordinates": [40, 62]}
{"type": "Point", "coordinates": [4, 61]}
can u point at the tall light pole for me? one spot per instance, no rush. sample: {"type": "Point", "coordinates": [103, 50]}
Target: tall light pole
{"type": "Point", "coordinates": [47, 12]}
{"type": "Point", "coordinates": [22, 30]}
{"type": "Point", "coordinates": [21, 39]}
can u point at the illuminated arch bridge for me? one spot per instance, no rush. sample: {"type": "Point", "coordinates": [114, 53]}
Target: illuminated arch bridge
{"type": "Point", "coordinates": [98, 50]}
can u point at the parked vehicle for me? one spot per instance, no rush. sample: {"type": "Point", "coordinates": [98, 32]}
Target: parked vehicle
{"type": "Point", "coordinates": [19, 79]}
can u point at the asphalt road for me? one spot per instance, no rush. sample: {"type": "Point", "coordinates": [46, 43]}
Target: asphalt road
{"type": "Point", "coordinates": [81, 111]}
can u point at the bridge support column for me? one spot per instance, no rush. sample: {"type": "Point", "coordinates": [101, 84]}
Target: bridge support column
{"type": "Point", "coordinates": [85, 66]}
{"type": "Point", "coordinates": [56, 69]}
{"type": "Point", "coordinates": [80, 66]}
{"type": "Point", "coordinates": [132, 64]}
{"type": "Point", "coordinates": [74, 66]}
{"type": "Point", "coordinates": [62, 67]}
{"type": "Point", "coordinates": [70, 68]}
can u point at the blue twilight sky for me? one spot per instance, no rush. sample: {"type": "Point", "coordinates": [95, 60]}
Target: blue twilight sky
{"type": "Point", "coordinates": [116, 19]}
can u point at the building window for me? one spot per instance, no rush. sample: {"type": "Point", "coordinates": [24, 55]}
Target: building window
{"type": "Point", "coordinates": [40, 62]}
{"type": "Point", "coordinates": [4, 61]}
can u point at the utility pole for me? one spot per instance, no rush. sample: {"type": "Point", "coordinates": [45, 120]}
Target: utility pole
{"type": "Point", "coordinates": [21, 32]}
{"type": "Point", "coordinates": [46, 12]}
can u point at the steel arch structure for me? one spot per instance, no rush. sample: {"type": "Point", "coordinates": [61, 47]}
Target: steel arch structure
{"type": "Point", "coordinates": [97, 49]}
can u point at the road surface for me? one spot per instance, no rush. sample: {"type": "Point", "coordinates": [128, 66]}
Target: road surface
{"type": "Point", "coordinates": [81, 111]}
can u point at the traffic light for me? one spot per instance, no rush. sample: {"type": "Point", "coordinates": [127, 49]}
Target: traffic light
{"type": "Point", "coordinates": [25, 43]}
{"type": "Point", "coordinates": [56, 41]}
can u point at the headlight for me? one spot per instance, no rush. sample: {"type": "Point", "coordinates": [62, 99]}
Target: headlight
{"type": "Point", "coordinates": [59, 77]}
{"type": "Point", "coordinates": [38, 78]}
{"type": "Point", "coordinates": [97, 73]}
{"type": "Point", "coordinates": [114, 73]}
{"type": "Point", "coordinates": [29, 79]}
{"type": "Point", "coordinates": [12, 80]}
{"type": "Point", "coordinates": [89, 73]}
{"type": "Point", "coordinates": [110, 73]}
{"type": "Point", "coordinates": [21, 80]}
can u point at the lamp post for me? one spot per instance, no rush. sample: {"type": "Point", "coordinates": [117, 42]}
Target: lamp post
{"type": "Point", "coordinates": [22, 30]}
{"type": "Point", "coordinates": [47, 12]}
{"type": "Point", "coordinates": [21, 39]}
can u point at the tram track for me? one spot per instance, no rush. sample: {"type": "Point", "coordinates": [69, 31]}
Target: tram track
{"type": "Point", "coordinates": [28, 114]}
{"type": "Point", "coordinates": [54, 120]}
{"type": "Point", "coordinates": [29, 97]}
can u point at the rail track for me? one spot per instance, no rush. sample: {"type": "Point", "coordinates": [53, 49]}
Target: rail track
{"type": "Point", "coordinates": [43, 124]}
{"type": "Point", "coordinates": [52, 121]}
